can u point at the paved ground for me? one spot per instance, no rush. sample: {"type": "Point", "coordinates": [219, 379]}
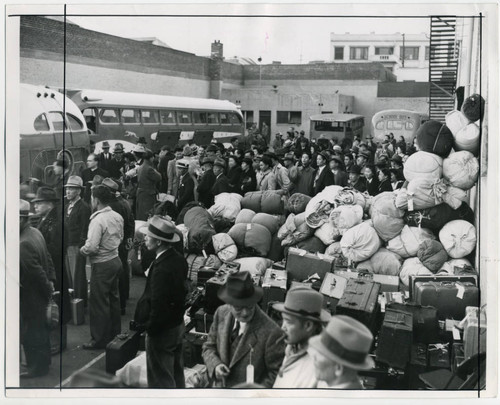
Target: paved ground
{"type": "Point", "coordinates": [74, 357]}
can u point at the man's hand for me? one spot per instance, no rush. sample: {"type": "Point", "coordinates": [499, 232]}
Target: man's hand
{"type": "Point", "coordinates": [221, 371]}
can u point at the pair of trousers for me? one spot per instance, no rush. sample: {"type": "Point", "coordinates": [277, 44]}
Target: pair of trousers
{"type": "Point", "coordinates": [36, 342]}
{"type": "Point", "coordinates": [104, 301]}
{"type": "Point", "coordinates": [124, 277]}
{"type": "Point", "coordinates": [164, 358]}
{"type": "Point", "coordinates": [78, 278]}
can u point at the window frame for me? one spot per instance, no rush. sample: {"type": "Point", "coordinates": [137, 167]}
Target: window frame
{"type": "Point", "coordinates": [352, 51]}
{"type": "Point", "coordinates": [173, 112]}
{"type": "Point", "coordinates": [390, 48]}
{"type": "Point", "coordinates": [280, 115]}
{"type": "Point", "coordinates": [406, 48]}
{"type": "Point", "coordinates": [338, 48]}
{"type": "Point", "coordinates": [178, 112]}
{"type": "Point", "coordinates": [155, 114]}
{"type": "Point", "coordinates": [137, 116]}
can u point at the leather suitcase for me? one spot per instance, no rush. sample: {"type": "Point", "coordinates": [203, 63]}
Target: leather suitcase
{"type": "Point", "coordinates": [274, 287]}
{"type": "Point", "coordinates": [360, 301]}
{"type": "Point", "coordinates": [205, 274]}
{"type": "Point", "coordinates": [438, 355]}
{"type": "Point", "coordinates": [425, 321]}
{"type": "Point", "coordinates": [301, 264]}
{"type": "Point", "coordinates": [121, 350]}
{"type": "Point", "coordinates": [450, 298]}
{"type": "Point", "coordinates": [332, 288]}
{"type": "Point", "coordinates": [395, 339]}
{"type": "Point", "coordinates": [212, 286]}
{"type": "Point", "coordinates": [192, 347]}
{"type": "Point", "coordinates": [417, 366]}
{"type": "Point", "coordinates": [77, 311]}
{"type": "Point", "coordinates": [387, 283]}
{"type": "Point", "coordinates": [474, 334]}
{"type": "Point", "coordinates": [203, 321]}
{"type": "Point", "coordinates": [438, 277]}
{"type": "Point", "coordinates": [457, 356]}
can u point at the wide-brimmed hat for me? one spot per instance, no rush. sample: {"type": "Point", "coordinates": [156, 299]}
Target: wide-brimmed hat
{"type": "Point", "coordinates": [24, 208]}
{"type": "Point", "coordinates": [105, 144]}
{"type": "Point", "coordinates": [45, 193]}
{"type": "Point", "coordinates": [118, 148]}
{"type": "Point", "coordinates": [345, 341]}
{"type": "Point", "coordinates": [220, 162]}
{"type": "Point", "coordinates": [355, 169]}
{"type": "Point", "coordinates": [305, 303]}
{"type": "Point", "coordinates": [139, 149]}
{"type": "Point", "coordinates": [271, 155]}
{"type": "Point", "coordinates": [337, 159]}
{"type": "Point", "coordinates": [211, 148]}
{"type": "Point", "coordinates": [74, 181]}
{"type": "Point", "coordinates": [161, 229]}
{"type": "Point", "coordinates": [240, 290]}
{"type": "Point", "coordinates": [111, 184]}
{"type": "Point", "coordinates": [187, 151]}
{"type": "Point", "coordinates": [324, 155]}
{"type": "Point", "coordinates": [182, 164]}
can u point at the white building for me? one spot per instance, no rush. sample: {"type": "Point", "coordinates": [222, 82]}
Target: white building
{"type": "Point", "coordinates": [387, 49]}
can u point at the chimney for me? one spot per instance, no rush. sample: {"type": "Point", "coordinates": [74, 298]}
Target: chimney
{"type": "Point", "coordinates": [217, 50]}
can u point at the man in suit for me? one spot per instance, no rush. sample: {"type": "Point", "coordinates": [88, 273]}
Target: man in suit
{"type": "Point", "coordinates": [36, 284]}
{"type": "Point", "coordinates": [340, 351]}
{"type": "Point", "coordinates": [89, 173]}
{"type": "Point", "coordinates": [105, 157]}
{"type": "Point", "coordinates": [355, 180]}
{"type": "Point", "coordinates": [77, 218]}
{"type": "Point", "coordinates": [185, 190]}
{"type": "Point", "coordinates": [242, 334]}
{"type": "Point", "coordinates": [163, 304]}
{"type": "Point", "coordinates": [116, 163]}
{"type": "Point", "coordinates": [221, 184]}
{"type": "Point", "coordinates": [147, 180]}
{"type": "Point", "coordinates": [324, 177]}
{"type": "Point", "coordinates": [206, 183]}
{"type": "Point", "coordinates": [165, 157]}
{"type": "Point", "coordinates": [172, 173]}
{"type": "Point", "coordinates": [336, 166]}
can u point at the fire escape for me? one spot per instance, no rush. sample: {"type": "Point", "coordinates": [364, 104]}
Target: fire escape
{"type": "Point", "coordinates": [443, 63]}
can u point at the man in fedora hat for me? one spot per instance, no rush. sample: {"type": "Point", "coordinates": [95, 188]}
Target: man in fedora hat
{"type": "Point", "coordinates": [221, 184]}
{"type": "Point", "coordinates": [355, 180]}
{"type": "Point", "coordinates": [185, 189]}
{"type": "Point", "coordinates": [117, 162]}
{"type": "Point", "coordinates": [89, 173]}
{"type": "Point", "coordinates": [103, 238]}
{"type": "Point", "coordinates": [242, 334]}
{"type": "Point", "coordinates": [77, 218]}
{"type": "Point", "coordinates": [36, 284]}
{"type": "Point", "coordinates": [148, 179]}
{"type": "Point", "coordinates": [340, 351]}
{"type": "Point", "coordinates": [204, 189]}
{"type": "Point", "coordinates": [363, 158]}
{"type": "Point", "coordinates": [303, 317]}
{"type": "Point", "coordinates": [105, 157]}
{"type": "Point", "coordinates": [161, 307]}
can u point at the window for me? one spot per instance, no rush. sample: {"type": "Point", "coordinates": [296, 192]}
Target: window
{"type": "Point", "coordinates": [380, 125]}
{"type": "Point", "coordinates": [224, 118]}
{"type": "Point", "coordinates": [167, 117]}
{"type": "Point", "coordinates": [409, 125]}
{"type": "Point", "coordinates": [57, 120]}
{"type": "Point", "coordinates": [184, 117]}
{"type": "Point", "coordinates": [109, 116]}
{"type": "Point", "coordinates": [199, 117]}
{"type": "Point", "coordinates": [359, 53]}
{"type": "Point", "coordinates": [410, 52]}
{"type": "Point", "coordinates": [427, 52]}
{"type": "Point", "coordinates": [235, 119]}
{"type": "Point", "coordinates": [130, 116]}
{"type": "Point", "coordinates": [394, 125]}
{"type": "Point", "coordinates": [41, 123]}
{"type": "Point", "coordinates": [248, 117]}
{"type": "Point", "coordinates": [213, 118]}
{"type": "Point", "coordinates": [74, 123]}
{"type": "Point", "coordinates": [338, 53]}
{"type": "Point", "coordinates": [289, 117]}
{"type": "Point", "coordinates": [328, 126]}
{"type": "Point", "coordinates": [150, 116]}
{"type": "Point", "coordinates": [384, 50]}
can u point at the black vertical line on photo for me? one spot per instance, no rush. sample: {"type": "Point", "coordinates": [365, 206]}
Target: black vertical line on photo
{"type": "Point", "coordinates": [479, 210]}
{"type": "Point", "coordinates": [5, 207]}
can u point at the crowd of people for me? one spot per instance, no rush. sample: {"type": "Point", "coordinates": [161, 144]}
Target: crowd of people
{"type": "Point", "coordinates": [92, 217]}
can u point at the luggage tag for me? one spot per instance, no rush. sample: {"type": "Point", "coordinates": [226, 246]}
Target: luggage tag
{"type": "Point", "coordinates": [204, 254]}
{"type": "Point", "coordinates": [302, 253]}
{"type": "Point", "coordinates": [461, 290]}
{"type": "Point", "coordinates": [410, 201]}
{"type": "Point", "coordinates": [249, 226]}
{"type": "Point", "coordinates": [456, 333]}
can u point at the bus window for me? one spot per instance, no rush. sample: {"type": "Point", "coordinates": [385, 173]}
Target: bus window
{"type": "Point", "coordinates": [130, 116]}
{"type": "Point", "coordinates": [57, 120]}
{"type": "Point", "coordinates": [224, 118]}
{"type": "Point", "coordinates": [380, 125]}
{"type": "Point", "coordinates": [394, 125]}
{"type": "Point", "coordinates": [41, 123]}
{"type": "Point", "coordinates": [109, 116]}
{"type": "Point", "coordinates": [150, 117]}
{"type": "Point", "coordinates": [184, 117]}
{"type": "Point", "coordinates": [167, 117]}
{"type": "Point", "coordinates": [235, 119]}
{"type": "Point", "coordinates": [213, 118]}
{"type": "Point", "coordinates": [89, 115]}
{"type": "Point", "coordinates": [409, 125]}
{"type": "Point", "coordinates": [74, 123]}
{"type": "Point", "coordinates": [199, 117]}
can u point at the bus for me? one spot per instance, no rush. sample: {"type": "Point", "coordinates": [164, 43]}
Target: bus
{"type": "Point", "coordinates": [161, 120]}
{"type": "Point", "coordinates": [52, 127]}
{"type": "Point", "coordinates": [400, 122]}
{"type": "Point", "coordinates": [343, 127]}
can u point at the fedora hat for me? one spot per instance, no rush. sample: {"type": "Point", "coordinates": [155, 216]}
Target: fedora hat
{"type": "Point", "coordinates": [397, 159]}
{"type": "Point", "coordinates": [289, 156]}
{"type": "Point", "coordinates": [345, 341]}
{"type": "Point", "coordinates": [74, 181]}
{"type": "Point", "coordinates": [337, 159]}
{"type": "Point", "coordinates": [45, 194]}
{"type": "Point", "coordinates": [105, 144]}
{"type": "Point", "coordinates": [118, 148]}
{"type": "Point", "coordinates": [337, 148]}
{"type": "Point", "coordinates": [207, 160]}
{"type": "Point", "coordinates": [365, 154]}
{"type": "Point", "coordinates": [305, 303]}
{"type": "Point", "coordinates": [211, 148]}
{"type": "Point", "coordinates": [240, 290]}
{"type": "Point", "coordinates": [110, 183]}
{"type": "Point", "coordinates": [139, 149]}
{"type": "Point", "coordinates": [220, 162]}
{"type": "Point", "coordinates": [161, 229]}
{"type": "Point", "coordinates": [355, 169]}
{"type": "Point", "coordinates": [24, 208]}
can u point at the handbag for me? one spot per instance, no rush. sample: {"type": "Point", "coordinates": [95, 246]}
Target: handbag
{"type": "Point", "coordinates": [52, 314]}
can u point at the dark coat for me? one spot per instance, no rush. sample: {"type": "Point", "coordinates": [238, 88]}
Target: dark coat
{"type": "Point", "coordinates": [104, 163]}
{"type": "Point", "coordinates": [77, 223]}
{"type": "Point", "coordinates": [234, 175]}
{"type": "Point", "coordinates": [113, 167]}
{"type": "Point", "coordinates": [185, 191]}
{"type": "Point", "coordinates": [305, 180]}
{"type": "Point", "coordinates": [147, 180]}
{"type": "Point", "coordinates": [248, 181]}
{"type": "Point", "coordinates": [221, 185]}
{"type": "Point", "coordinates": [51, 227]}
{"type": "Point", "coordinates": [341, 178]}
{"type": "Point", "coordinates": [372, 187]}
{"type": "Point", "coordinates": [88, 175]}
{"type": "Point", "coordinates": [35, 273]}
{"type": "Point", "coordinates": [385, 186]}
{"type": "Point", "coordinates": [162, 303]}
{"type": "Point", "coordinates": [325, 179]}
{"type": "Point", "coordinates": [163, 170]}
{"type": "Point", "coordinates": [262, 335]}
{"type": "Point", "coordinates": [360, 185]}
{"type": "Point", "coordinates": [204, 189]}
{"type": "Point", "coordinates": [122, 207]}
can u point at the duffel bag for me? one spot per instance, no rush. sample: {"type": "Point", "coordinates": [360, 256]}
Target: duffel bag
{"type": "Point", "coordinates": [435, 137]}
{"type": "Point", "coordinates": [269, 202]}
{"type": "Point", "coordinates": [461, 169]}
{"type": "Point", "coordinates": [457, 267]}
{"type": "Point", "coordinates": [271, 222]}
{"type": "Point", "coordinates": [473, 107]}
{"type": "Point", "coordinates": [468, 138]}
{"type": "Point", "coordinates": [383, 262]}
{"type": "Point", "coordinates": [227, 205]}
{"type": "Point", "coordinates": [224, 247]}
{"type": "Point", "coordinates": [458, 238]}
{"type": "Point", "coordinates": [412, 267]}
{"type": "Point", "coordinates": [297, 203]}
{"type": "Point", "coordinates": [423, 164]}
{"type": "Point", "coordinates": [327, 233]}
{"type": "Point", "coordinates": [311, 244]}
{"type": "Point", "coordinates": [245, 216]}
{"type": "Point", "coordinates": [345, 217]}
{"type": "Point", "coordinates": [318, 209]}
{"type": "Point", "coordinates": [294, 230]}
{"type": "Point", "coordinates": [432, 255]}
{"type": "Point", "coordinates": [456, 120]}
{"type": "Point", "coordinates": [387, 218]}
{"type": "Point", "coordinates": [251, 239]}
{"type": "Point", "coordinates": [195, 262]}
{"type": "Point", "coordinates": [407, 242]}
{"type": "Point", "coordinates": [360, 243]}
{"type": "Point", "coordinates": [254, 265]}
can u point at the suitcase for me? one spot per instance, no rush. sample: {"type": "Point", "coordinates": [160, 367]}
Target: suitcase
{"type": "Point", "coordinates": [437, 277]}
{"type": "Point", "coordinates": [59, 335]}
{"type": "Point", "coordinates": [212, 286]}
{"type": "Point", "coordinates": [203, 321]}
{"type": "Point", "coordinates": [77, 311]}
{"type": "Point", "coordinates": [360, 301]}
{"type": "Point", "coordinates": [395, 339]}
{"type": "Point", "coordinates": [417, 366]}
{"type": "Point", "coordinates": [457, 356]}
{"type": "Point", "coordinates": [299, 284]}
{"type": "Point", "coordinates": [192, 347]}
{"type": "Point", "coordinates": [474, 334]}
{"type": "Point", "coordinates": [332, 288]}
{"type": "Point", "coordinates": [301, 264]}
{"type": "Point", "coordinates": [205, 274]}
{"type": "Point", "coordinates": [121, 350]}
{"type": "Point", "coordinates": [450, 298]}
{"type": "Point", "coordinates": [425, 321]}
{"type": "Point", "coordinates": [438, 355]}
{"type": "Point", "coordinates": [387, 283]}
{"type": "Point", "coordinates": [274, 287]}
